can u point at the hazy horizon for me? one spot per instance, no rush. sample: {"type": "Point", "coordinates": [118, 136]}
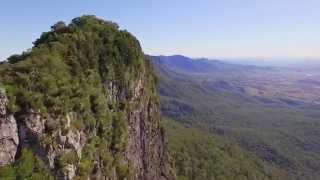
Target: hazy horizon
{"type": "Point", "coordinates": [213, 29]}
{"type": "Point", "coordinates": [308, 63]}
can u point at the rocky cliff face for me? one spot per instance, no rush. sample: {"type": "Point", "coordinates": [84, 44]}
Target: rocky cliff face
{"type": "Point", "coordinates": [9, 139]}
{"type": "Point", "coordinates": [146, 143]}
{"type": "Point", "coordinates": [83, 101]}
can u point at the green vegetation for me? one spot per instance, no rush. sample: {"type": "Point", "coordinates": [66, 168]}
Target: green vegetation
{"type": "Point", "coordinates": [66, 68]}
{"type": "Point", "coordinates": [198, 155]}
{"type": "Point", "coordinates": [285, 137]}
{"type": "Point", "coordinates": [28, 167]}
{"type": "Point", "coordinates": [86, 70]}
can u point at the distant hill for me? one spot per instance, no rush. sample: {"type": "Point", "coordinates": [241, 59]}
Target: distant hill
{"type": "Point", "coordinates": [179, 63]}
{"type": "Point", "coordinates": [185, 64]}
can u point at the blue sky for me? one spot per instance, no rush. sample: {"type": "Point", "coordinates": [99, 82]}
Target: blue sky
{"type": "Point", "coordinates": [196, 28]}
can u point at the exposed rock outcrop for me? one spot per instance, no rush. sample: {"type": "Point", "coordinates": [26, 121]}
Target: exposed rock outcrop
{"type": "Point", "coordinates": [9, 139]}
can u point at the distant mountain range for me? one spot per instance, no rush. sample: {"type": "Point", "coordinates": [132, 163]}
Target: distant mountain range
{"type": "Point", "coordinates": [273, 85]}
{"type": "Point", "coordinates": [201, 65]}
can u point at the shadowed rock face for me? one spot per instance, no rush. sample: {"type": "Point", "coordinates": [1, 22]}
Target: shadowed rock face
{"type": "Point", "coordinates": [146, 144]}
{"type": "Point", "coordinates": [9, 139]}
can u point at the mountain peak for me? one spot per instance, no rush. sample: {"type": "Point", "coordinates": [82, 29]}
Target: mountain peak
{"type": "Point", "coordinates": [85, 105]}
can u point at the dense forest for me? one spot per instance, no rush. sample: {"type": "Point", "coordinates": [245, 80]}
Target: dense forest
{"type": "Point", "coordinates": [198, 155]}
